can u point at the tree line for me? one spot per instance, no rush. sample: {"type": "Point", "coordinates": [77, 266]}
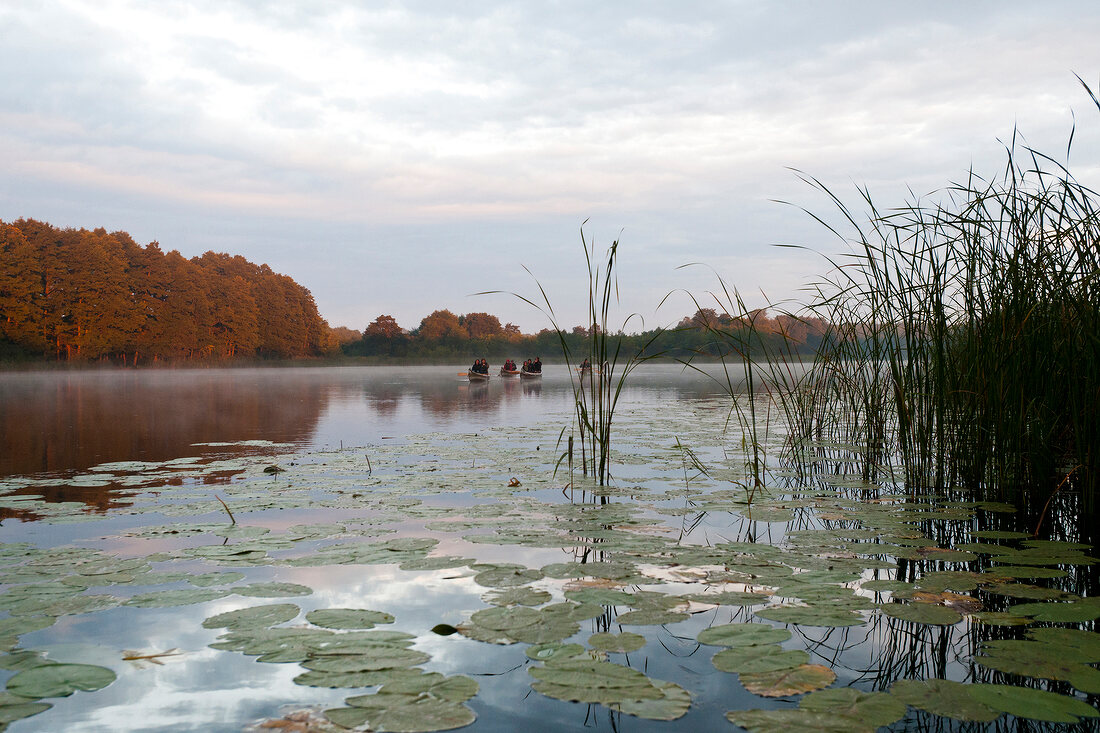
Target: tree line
{"type": "Point", "coordinates": [444, 335]}
{"type": "Point", "coordinates": [80, 295]}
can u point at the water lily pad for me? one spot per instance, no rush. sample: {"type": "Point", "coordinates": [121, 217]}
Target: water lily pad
{"type": "Point", "coordinates": [922, 613]}
{"type": "Point", "coordinates": [59, 680]}
{"type": "Point", "coordinates": [1046, 661]}
{"type": "Point", "coordinates": [761, 658]}
{"type": "Point", "coordinates": [943, 697]}
{"type": "Point", "coordinates": [674, 703]}
{"type": "Point", "coordinates": [624, 642]}
{"type": "Point", "coordinates": [347, 618]}
{"type": "Point", "coordinates": [1025, 702]}
{"type": "Point", "coordinates": [649, 617]}
{"type": "Point", "coordinates": [184, 597]}
{"type": "Point", "coordinates": [554, 650]}
{"type": "Point", "coordinates": [785, 682]}
{"type": "Point", "coordinates": [588, 680]}
{"type": "Point", "coordinates": [11, 711]}
{"type": "Point", "coordinates": [419, 716]}
{"type": "Point", "coordinates": [812, 615]}
{"type": "Point", "coordinates": [255, 616]}
{"type": "Point", "coordinates": [785, 721]}
{"type": "Point", "coordinates": [272, 590]}
{"type": "Point", "coordinates": [1057, 612]}
{"type": "Point", "coordinates": [518, 596]}
{"type": "Point", "coordinates": [869, 708]}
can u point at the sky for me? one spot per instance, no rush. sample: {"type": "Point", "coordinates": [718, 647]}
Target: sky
{"type": "Point", "coordinates": [401, 157]}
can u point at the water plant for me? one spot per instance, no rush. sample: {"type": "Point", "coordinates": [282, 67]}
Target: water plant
{"type": "Point", "coordinates": [597, 388]}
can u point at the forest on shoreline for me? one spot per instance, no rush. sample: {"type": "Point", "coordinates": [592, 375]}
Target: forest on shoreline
{"type": "Point", "coordinates": [79, 296]}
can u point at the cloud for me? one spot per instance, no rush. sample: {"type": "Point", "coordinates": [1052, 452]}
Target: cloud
{"type": "Point", "coordinates": [375, 127]}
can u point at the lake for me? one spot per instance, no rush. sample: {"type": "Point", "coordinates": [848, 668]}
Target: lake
{"type": "Point", "coordinates": [244, 549]}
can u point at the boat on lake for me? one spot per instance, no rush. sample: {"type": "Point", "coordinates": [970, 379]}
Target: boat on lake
{"type": "Point", "coordinates": [525, 374]}
{"type": "Point", "coordinates": [509, 372]}
{"type": "Point", "coordinates": [477, 377]}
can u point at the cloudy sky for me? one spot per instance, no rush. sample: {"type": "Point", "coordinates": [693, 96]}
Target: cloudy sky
{"type": "Point", "coordinates": [398, 157]}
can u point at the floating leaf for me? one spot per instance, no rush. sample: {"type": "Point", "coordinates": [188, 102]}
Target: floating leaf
{"type": "Point", "coordinates": [875, 709]}
{"type": "Point", "coordinates": [271, 590]}
{"type": "Point", "coordinates": [763, 658]}
{"type": "Point", "coordinates": [553, 651]}
{"type": "Point", "coordinates": [185, 597]}
{"type": "Point", "coordinates": [1056, 612]}
{"type": "Point", "coordinates": [812, 615]}
{"type": "Point", "coordinates": [255, 616]}
{"type": "Point", "coordinates": [784, 682]}
{"type": "Point", "coordinates": [922, 613]}
{"type": "Point", "coordinates": [943, 697]}
{"type": "Point", "coordinates": [624, 642]}
{"type": "Point", "coordinates": [785, 721]}
{"type": "Point", "coordinates": [1025, 702]}
{"type": "Point", "coordinates": [59, 680]}
{"type": "Point", "coordinates": [11, 711]}
{"type": "Point", "coordinates": [347, 618]}
{"type": "Point", "coordinates": [674, 703]}
{"type": "Point", "coordinates": [422, 715]}
{"type": "Point", "coordinates": [587, 680]}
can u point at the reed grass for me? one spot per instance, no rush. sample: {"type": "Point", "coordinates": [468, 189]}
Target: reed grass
{"type": "Point", "coordinates": [596, 393]}
{"type": "Point", "coordinates": [964, 341]}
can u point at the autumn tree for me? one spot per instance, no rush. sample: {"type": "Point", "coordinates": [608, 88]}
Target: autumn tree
{"type": "Point", "coordinates": [482, 326]}
{"type": "Point", "coordinates": [441, 326]}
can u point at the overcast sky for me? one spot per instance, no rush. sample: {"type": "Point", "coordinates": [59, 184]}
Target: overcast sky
{"type": "Point", "coordinates": [398, 157]}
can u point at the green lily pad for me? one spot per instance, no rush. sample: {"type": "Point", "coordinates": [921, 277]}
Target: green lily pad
{"type": "Point", "coordinates": [812, 615]}
{"type": "Point", "coordinates": [272, 590]}
{"type": "Point", "coordinates": [762, 658]}
{"type": "Point", "coordinates": [743, 634]}
{"type": "Point", "coordinates": [870, 708]}
{"type": "Point", "coordinates": [786, 682]}
{"type": "Point", "coordinates": [255, 616]}
{"type": "Point", "coordinates": [1025, 702]}
{"type": "Point", "coordinates": [922, 613]}
{"type": "Point", "coordinates": [184, 597]}
{"type": "Point", "coordinates": [1046, 661]}
{"type": "Point", "coordinates": [1057, 612]}
{"type": "Point", "coordinates": [624, 642]}
{"type": "Point", "coordinates": [943, 697]}
{"type": "Point", "coordinates": [674, 703]}
{"type": "Point", "coordinates": [785, 721]}
{"type": "Point", "coordinates": [419, 716]}
{"type": "Point", "coordinates": [552, 651]}
{"type": "Point", "coordinates": [588, 680]}
{"type": "Point", "coordinates": [12, 711]}
{"type": "Point", "coordinates": [59, 680]}
{"type": "Point", "coordinates": [347, 618]}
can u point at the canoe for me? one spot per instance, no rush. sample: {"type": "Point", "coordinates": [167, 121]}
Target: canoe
{"type": "Point", "coordinates": [509, 372]}
{"type": "Point", "coordinates": [476, 377]}
{"type": "Point", "coordinates": [524, 374]}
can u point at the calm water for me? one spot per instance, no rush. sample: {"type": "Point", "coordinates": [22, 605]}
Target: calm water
{"type": "Point", "coordinates": [56, 422]}
{"type": "Point", "coordinates": [377, 453]}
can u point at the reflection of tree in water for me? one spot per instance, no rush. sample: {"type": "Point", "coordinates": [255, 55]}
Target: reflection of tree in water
{"type": "Point", "coordinates": [73, 422]}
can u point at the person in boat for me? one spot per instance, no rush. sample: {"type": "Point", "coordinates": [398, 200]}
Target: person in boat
{"type": "Point", "coordinates": [536, 365]}
{"type": "Point", "coordinates": [484, 366]}
{"type": "Point", "coordinates": [586, 365]}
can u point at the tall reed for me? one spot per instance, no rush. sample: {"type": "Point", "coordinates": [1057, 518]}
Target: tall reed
{"type": "Point", "coordinates": [966, 332]}
{"type": "Point", "coordinates": [596, 392]}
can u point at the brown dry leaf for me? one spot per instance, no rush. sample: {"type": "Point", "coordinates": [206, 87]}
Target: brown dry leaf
{"type": "Point", "coordinates": [957, 601]}
{"type": "Point", "coordinates": [513, 482]}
